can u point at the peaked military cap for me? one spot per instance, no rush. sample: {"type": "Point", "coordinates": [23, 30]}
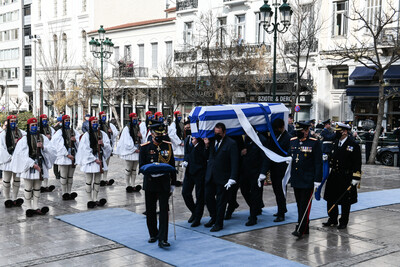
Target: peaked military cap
{"type": "Point", "coordinates": [328, 121]}
{"type": "Point", "coordinates": [302, 125]}
{"type": "Point", "coordinates": [340, 126]}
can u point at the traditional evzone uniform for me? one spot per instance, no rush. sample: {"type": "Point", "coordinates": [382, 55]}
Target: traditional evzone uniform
{"type": "Point", "coordinates": [65, 142]}
{"type": "Point", "coordinates": [94, 150]}
{"type": "Point", "coordinates": [8, 141]}
{"type": "Point", "coordinates": [177, 136]}
{"type": "Point", "coordinates": [47, 131]}
{"type": "Point", "coordinates": [57, 127]}
{"type": "Point", "coordinates": [32, 159]}
{"type": "Point", "coordinates": [128, 149]}
{"type": "Point", "coordinates": [112, 133]}
{"type": "Point", "coordinates": [145, 127]}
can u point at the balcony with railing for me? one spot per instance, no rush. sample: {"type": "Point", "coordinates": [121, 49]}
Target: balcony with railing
{"type": "Point", "coordinates": [234, 2]}
{"type": "Point", "coordinates": [186, 5]}
{"type": "Point", "coordinates": [185, 55]}
{"type": "Point", "coordinates": [293, 47]}
{"type": "Point", "coordinates": [237, 51]}
{"type": "Point", "coordinates": [130, 72]}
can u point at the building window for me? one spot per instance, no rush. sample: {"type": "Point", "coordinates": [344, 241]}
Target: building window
{"type": "Point", "coordinates": [83, 5]}
{"type": "Point", "coordinates": [28, 50]}
{"type": "Point", "coordinates": [28, 71]}
{"type": "Point", "coordinates": [65, 47]}
{"type": "Point", "coordinates": [240, 29]}
{"type": "Point", "coordinates": [27, 10]}
{"type": "Point", "coordinates": [154, 55]}
{"type": "Point", "coordinates": [116, 53]}
{"type": "Point", "coordinates": [260, 32]}
{"type": "Point", "coordinates": [127, 53]}
{"type": "Point", "coordinates": [40, 9]}
{"type": "Point", "coordinates": [55, 48]}
{"type": "Point", "coordinates": [168, 53]}
{"type": "Point", "coordinates": [340, 18]}
{"type": "Point", "coordinates": [373, 9]}
{"type": "Point", "coordinates": [141, 55]}
{"type": "Point", "coordinates": [84, 44]}
{"type": "Point", "coordinates": [221, 31]}
{"type": "Point", "coordinates": [64, 7]}
{"type": "Point", "coordinates": [27, 30]}
{"type": "Point", "coordinates": [188, 34]}
{"type": "Point", "coordinates": [55, 8]}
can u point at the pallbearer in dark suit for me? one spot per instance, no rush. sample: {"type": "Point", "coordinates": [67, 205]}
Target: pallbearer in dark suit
{"type": "Point", "coordinates": [345, 166]}
{"type": "Point", "coordinates": [278, 170]}
{"type": "Point", "coordinates": [195, 161]}
{"type": "Point", "coordinates": [222, 173]}
{"type": "Point", "coordinates": [306, 173]}
{"type": "Point", "coordinates": [252, 174]}
{"type": "Point", "coordinates": [157, 186]}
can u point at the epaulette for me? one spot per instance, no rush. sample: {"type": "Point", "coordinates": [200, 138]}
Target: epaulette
{"type": "Point", "coordinates": [167, 142]}
{"type": "Point", "coordinates": [312, 138]}
{"type": "Point", "coordinates": [145, 144]}
{"type": "Point", "coordinates": [293, 138]}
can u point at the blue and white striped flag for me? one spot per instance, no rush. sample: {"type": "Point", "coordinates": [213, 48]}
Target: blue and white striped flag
{"type": "Point", "coordinates": [240, 119]}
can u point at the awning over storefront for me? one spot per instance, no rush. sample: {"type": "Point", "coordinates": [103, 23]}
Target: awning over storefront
{"type": "Point", "coordinates": [362, 90]}
{"type": "Point", "coordinates": [362, 74]}
{"type": "Point", "coordinates": [372, 90]}
{"type": "Point", "coordinates": [393, 73]}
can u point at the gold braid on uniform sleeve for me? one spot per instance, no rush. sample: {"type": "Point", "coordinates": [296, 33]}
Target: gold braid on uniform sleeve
{"type": "Point", "coordinates": [161, 158]}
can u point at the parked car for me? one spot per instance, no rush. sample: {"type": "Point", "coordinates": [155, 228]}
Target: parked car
{"type": "Point", "coordinates": [386, 155]}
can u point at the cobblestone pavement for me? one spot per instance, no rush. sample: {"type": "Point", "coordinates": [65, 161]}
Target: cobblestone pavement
{"type": "Point", "coordinates": [372, 237]}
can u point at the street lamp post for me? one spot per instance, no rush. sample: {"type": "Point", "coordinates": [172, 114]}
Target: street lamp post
{"type": "Point", "coordinates": [274, 27]}
{"type": "Point", "coordinates": [101, 48]}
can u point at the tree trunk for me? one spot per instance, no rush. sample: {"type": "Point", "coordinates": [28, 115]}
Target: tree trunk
{"type": "Point", "coordinates": [381, 111]}
{"type": "Point", "coordinates": [116, 116]}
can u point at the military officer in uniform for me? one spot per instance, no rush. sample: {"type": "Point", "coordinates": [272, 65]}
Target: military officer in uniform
{"type": "Point", "coordinates": [306, 173]}
{"type": "Point", "coordinates": [345, 175]}
{"type": "Point", "coordinates": [328, 136]}
{"type": "Point", "coordinates": [157, 186]}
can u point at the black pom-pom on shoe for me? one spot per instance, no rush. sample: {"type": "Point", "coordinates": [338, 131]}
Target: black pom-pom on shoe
{"type": "Point", "coordinates": [110, 182]}
{"type": "Point", "coordinates": [73, 195]}
{"type": "Point", "coordinates": [65, 196]}
{"type": "Point", "coordinates": [18, 202]}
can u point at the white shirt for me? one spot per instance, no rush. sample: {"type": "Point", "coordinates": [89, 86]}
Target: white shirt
{"type": "Point", "coordinates": [341, 142]}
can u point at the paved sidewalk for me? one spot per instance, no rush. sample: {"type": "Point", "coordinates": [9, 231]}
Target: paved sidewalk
{"type": "Point", "coordinates": [372, 236]}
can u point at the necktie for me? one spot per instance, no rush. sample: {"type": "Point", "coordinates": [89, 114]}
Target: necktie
{"type": "Point", "coordinates": [217, 146]}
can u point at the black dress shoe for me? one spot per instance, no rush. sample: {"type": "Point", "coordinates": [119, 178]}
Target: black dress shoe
{"type": "Point", "coordinates": [329, 223]}
{"type": "Point", "coordinates": [251, 222]}
{"type": "Point", "coordinates": [342, 226]}
{"type": "Point", "coordinates": [210, 223]}
{"type": "Point", "coordinates": [259, 212]}
{"type": "Point", "coordinates": [191, 219]}
{"type": "Point", "coordinates": [228, 215]}
{"type": "Point", "coordinates": [152, 239]}
{"type": "Point", "coordinates": [195, 223]}
{"type": "Point", "coordinates": [163, 244]}
{"type": "Point", "coordinates": [216, 228]}
{"type": "Point", "coordinates": [296, 233]}
{"type": "Point", "coordinates": [275, 214]}
{"type": "Point", "coordinates": [279, 219]}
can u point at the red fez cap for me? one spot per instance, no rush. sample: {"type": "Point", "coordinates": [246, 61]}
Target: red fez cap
{"type": "Point", "coordinates": [43, 116]}
{"type": "Point", "coordinates": [177, 112]}
{"type": "Point", "coordinates": [32, 120]}
{"type": "Point", "coordinates": [148, 112]}
{"type": "Point", "coordinates": [158, 114]}
{"type": "Point", "coordinates": [132, 115]}
{"type": "Point", "coordinates": [65, 117]}
{"type": "Point", "coordinates": [93, 118]}
{"type": "Point", "coordinates": [102, 113]}
{"type": "Point", "coordinates": [10, 117]}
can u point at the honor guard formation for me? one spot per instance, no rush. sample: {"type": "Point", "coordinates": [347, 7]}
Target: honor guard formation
{"type": "Point", "coordinates": [211, 170]}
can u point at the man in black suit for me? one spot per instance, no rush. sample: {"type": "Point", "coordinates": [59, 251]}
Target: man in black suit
{"type": "Point", "coordinates": [195, 161]}
{"type": "Point", "coordinates": [222, 172]}
{"type": "Point", "coordinates": [278, 170]}
{"type": "Point", "coordinates": [253, 166]}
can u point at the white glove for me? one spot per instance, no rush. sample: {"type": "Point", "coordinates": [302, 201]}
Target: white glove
{"type": "Point", "coordinates": [355, 182]}
{"type": "Point", "coordinates": [261, 179]}
{"type": "Point", "coordinates": [324, 157]}
{"type": "Point", "coordinates": [229, 183]}
{"type": "Point", "coordinates": [184, 164]}
{"type": "Point", "coordinates": [172, 188]}
{"type": "Point", "coordinates": [317, 184]}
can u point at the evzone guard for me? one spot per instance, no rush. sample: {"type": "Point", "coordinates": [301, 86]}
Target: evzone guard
{"type": "Point", "coordinates": [128, 149]}
{"type": "Point", "coordinates": [177, 135]}
{"type": "Point", "coordinates": [112, 132]}
{"type": "Point", "coordinates": [145, 127]}
{"type": "Point", "coordinates": [65, 142]}
{"type": "Point", "coordinates": [33, 157]}
{"type": "Point", "coordinates": [93, 152]}
{"type": "Point", "coordinates": [48, 131]}
{"type": "Point", "coordinates": [8, 141]}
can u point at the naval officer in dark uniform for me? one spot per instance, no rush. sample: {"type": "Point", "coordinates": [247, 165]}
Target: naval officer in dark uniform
{"type": "Point", "coordinates": [345, 166]}
{"type": "Point", "coordinates": [306, 173]}
{"type": "Point", "coordinates": [157, 186]}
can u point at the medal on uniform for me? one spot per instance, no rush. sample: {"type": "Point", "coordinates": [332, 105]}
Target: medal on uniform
{"type": "Point", "coordinates": [297, 159]}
